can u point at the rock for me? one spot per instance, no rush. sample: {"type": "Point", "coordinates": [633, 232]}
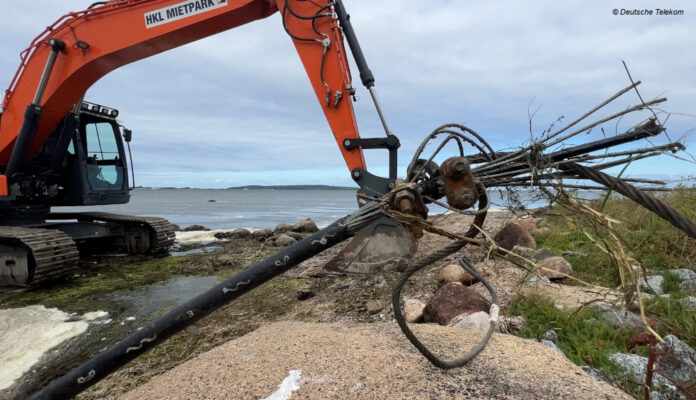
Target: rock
{"type": "Point", "coordinates": [282, 228]}
{"type": "Point", "coordinates": [294, 235]}
{"type": "Point", "coordinates": [683, 274]}
{"type": "Point", "coordinates": [306, 225]}
{"type": "Point", "coordinates": [239, 233]}
{"type": "Point", "coordinates": [595, 373]}
{"type": "Point", "coordinates": [615, 317]}
{"type": "Point", "coordinates": [512, 324]}
{"type": "Point", "coordinates": [451, 273]}
{"type": "Point", "coordinates": [223, 235]}
{"type": "Point", "coordinates": [451, 300]}
{"type": "Point", "coordinates": [635, 366]}
{"type": "Point", "coordinates": [688, 303]}
{"type": "Point", "coordinates": [654, 283]}
{"type": "Point", "coordinates": [478, 321]}
{"type": "Point", "coordinates": [556, 267]}
{"type": "Point", "coordinates": [285, 240]}
{"type": "Point", "coordinates": [195, 228]}
{"type": "Point", "coordinates": [534, 280]}
{"type": "Point", "coordinates": [688, 286]}
{"type": "Point", "coordinates": [550, 335]}
{"type": "Point", "coordinates": [262, 234]}
{"type": "Point", "coordinates": [677, 360]}
{"type": "Point", "coordinates": [212, 201]}
{"type": "Point", "coordinates": [527, 223]}
{"type": "Point", "coordinates": [655, 395]}
{"type": "Point", "coordinates": [413, 310]}
{"type": "Point", "coordinates": [541, 231]}
{"type": "Point", "coordinates": [176, 227]}
{"type": "Point", "coordinates": [513, 235]}
{"type": "Point", "coordinates": [373, 307]}
{"type": "Point", "coordinates": [551, 345]}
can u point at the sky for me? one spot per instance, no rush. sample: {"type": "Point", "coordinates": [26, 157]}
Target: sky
{"type": "Point", "coordinates": [252, 118]}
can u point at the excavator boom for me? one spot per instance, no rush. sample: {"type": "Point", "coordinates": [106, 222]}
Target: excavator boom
{"type": "Point", "coordinates": [100, 39]}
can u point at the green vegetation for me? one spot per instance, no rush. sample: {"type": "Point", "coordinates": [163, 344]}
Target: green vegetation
{"type": "Point", "coordinates": [652, 241]}
{"type": "Point", "coordinates": [646, 238]}
{"type": "Point", "coordinates": [581, 336]}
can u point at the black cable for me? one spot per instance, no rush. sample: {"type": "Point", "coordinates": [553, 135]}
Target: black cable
{"type": "Point", "coordinates": [429, 259]}
{"type": "Point", "coordinates": [663, 210]}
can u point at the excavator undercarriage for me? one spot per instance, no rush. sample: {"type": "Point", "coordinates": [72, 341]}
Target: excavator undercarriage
{"type": "Point", "coordinates": [30, 256]}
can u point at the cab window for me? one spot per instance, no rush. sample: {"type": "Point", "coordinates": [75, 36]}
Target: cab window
{"type": "Point", "coordinates": [104, 167]}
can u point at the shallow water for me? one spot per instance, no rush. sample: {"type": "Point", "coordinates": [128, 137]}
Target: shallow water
{"type": "Point", "coordinates": [37, 343]}
{"type": "Point", "coordinates": [206, 249]}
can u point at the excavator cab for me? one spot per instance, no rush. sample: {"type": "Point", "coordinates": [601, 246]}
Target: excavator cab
{"type": "Point", "coordinates": [95, 171]}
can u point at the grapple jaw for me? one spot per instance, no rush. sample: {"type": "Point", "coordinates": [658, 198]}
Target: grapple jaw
{"type": "Point", "coordinates": [388, 243]}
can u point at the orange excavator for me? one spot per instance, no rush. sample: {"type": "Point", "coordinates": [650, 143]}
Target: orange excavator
{"type": "Point", "coordinates": [56, 149]}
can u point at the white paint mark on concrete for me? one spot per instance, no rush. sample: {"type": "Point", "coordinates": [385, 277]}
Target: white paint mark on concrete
{"type": "Point", "coordinates": [289, 385]}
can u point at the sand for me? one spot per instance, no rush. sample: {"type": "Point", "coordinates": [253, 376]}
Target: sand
{"type": "Point", "coordinates": [301, 360]}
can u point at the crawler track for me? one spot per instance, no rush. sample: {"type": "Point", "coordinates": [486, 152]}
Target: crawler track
{"type": "Point", "coordinates": [162, 231]}
{"type": "Point", "coordinates": [52, 253]}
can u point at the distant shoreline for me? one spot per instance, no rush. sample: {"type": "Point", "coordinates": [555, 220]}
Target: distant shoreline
{"type": "Point", "coordinates": [257, 187]}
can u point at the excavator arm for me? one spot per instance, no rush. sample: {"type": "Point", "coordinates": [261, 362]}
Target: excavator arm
{"type": "Point", "coordinates": [81, 47]}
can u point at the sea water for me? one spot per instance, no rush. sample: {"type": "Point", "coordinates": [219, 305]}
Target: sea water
{"type": "Point", "coordinates": [253, 208]}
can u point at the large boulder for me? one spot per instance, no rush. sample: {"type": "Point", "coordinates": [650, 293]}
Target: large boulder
{"type": "Point", "coordinates": [513, 235]}
{"type": "Point", "coordinates": [555, 267]}
{"type": "Point", "coordinates": [305, 226]}
{"type": "Point", "coordinates": [451, 300]}
{"type": "Point", "coordinates": [311, 361]}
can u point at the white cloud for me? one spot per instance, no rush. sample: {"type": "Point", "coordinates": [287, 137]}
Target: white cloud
{"type": "Point", "coordinates": [240, 100]}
